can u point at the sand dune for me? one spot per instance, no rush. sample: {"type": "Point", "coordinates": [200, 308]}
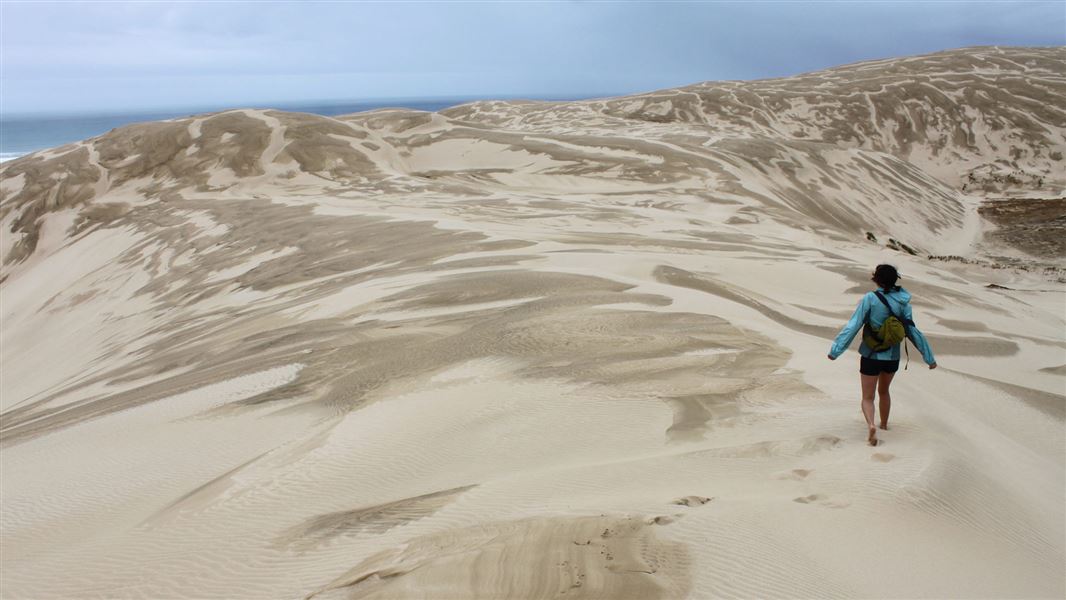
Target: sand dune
{"type": "Point", "coordinates": [532, 350]}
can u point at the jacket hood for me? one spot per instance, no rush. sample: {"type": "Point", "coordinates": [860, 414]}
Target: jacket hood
{"type": "Point", "coordinates": [900, 295]}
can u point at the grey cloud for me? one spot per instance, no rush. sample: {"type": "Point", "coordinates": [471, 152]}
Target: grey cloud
{"type": "Point", "coordinates": [547, 49]}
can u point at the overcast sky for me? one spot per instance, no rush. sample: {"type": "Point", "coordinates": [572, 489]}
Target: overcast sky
{"type": "Point", "coordinates": [115, 56]}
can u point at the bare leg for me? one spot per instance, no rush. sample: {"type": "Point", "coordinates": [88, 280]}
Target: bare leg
{"type": "Point", "coordinates": [869, 384]}
{"type": "Point", "coordinates": [883, 381]}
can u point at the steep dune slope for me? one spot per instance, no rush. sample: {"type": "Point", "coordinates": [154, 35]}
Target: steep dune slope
{"type": "Point", "coordinates": [527, 349]}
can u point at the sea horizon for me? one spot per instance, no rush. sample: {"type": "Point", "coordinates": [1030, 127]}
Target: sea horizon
{"type": "Point", "coordinates": [23, 133]}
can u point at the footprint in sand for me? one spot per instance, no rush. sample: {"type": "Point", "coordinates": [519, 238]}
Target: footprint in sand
{"type": "Point", "coordinates": [795, 474]}
{"type": "Point", "coordinates": [822, 500]}
{"type": "Point", "coordinates": [882, 456]}
{"type": "Point", "coordinates": [662, 520]}
{"type": "Point", "coordinates": [692, 501]}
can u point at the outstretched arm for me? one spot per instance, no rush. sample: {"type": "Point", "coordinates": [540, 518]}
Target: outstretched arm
{"type": "Point", "coordinates": [847, 335]}
{"type": "Point", "coordinates": [917, 338]}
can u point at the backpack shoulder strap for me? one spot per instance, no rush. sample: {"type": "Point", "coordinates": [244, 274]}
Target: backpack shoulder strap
{"type": "Point", "coordinates": [906, 322]}
{"type": "Point", "coordinates": [885, 302]}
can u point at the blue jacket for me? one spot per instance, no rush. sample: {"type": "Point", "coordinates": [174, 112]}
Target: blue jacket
{"type": "Point", "coordinates": [871, 307]}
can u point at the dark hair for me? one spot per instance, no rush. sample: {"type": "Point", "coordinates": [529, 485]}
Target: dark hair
{"type": "Point", "coordinates": [886, 276]}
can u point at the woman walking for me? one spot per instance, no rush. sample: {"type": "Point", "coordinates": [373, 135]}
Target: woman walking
{"type": "Point", "coordinates": [880, 357]}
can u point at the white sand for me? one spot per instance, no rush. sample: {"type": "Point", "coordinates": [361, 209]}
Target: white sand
{"type": "Point", "coordinates": [441, 366]}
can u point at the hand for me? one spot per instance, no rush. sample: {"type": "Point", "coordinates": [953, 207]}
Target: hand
{"type": "Point", "coordinates": [831, 357]}
{"type": "Point", "coordinates": [932, 366]}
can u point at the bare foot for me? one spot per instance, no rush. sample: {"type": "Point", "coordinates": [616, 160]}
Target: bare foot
{"type": "Point", "coordinates": [872, 438]}
{"type": "Point", "coordinates": [884, 426]}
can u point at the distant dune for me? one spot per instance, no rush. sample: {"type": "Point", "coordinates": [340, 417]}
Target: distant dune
{"type": "Point", "coordinates": [544, 349]}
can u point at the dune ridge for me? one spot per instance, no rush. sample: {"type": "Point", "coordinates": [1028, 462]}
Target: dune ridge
{"type": "Point", "coordinates": [528, 349]}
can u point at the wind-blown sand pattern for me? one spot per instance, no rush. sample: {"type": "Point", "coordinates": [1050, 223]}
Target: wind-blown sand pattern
{"type": "Point", "coordinates": [544, 350]}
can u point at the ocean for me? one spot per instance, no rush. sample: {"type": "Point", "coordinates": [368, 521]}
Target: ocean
{"type": "Point", "coordinates": [23, 134]}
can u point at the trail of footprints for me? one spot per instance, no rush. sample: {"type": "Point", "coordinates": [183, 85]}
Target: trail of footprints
{"type": "Point", "coordinates": [574, 570]}
{"type": "Point", "coordinates": [823, 499]}
{"type": "Point", "coordinates": [819, 499]}
{"type": "Point", "coordinates": [794, 475]}
{"type": "Point", "coordinates": [576, 576]}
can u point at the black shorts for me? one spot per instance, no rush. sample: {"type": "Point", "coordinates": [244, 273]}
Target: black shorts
{"type": "Point", "coordinates": [872, 366]}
